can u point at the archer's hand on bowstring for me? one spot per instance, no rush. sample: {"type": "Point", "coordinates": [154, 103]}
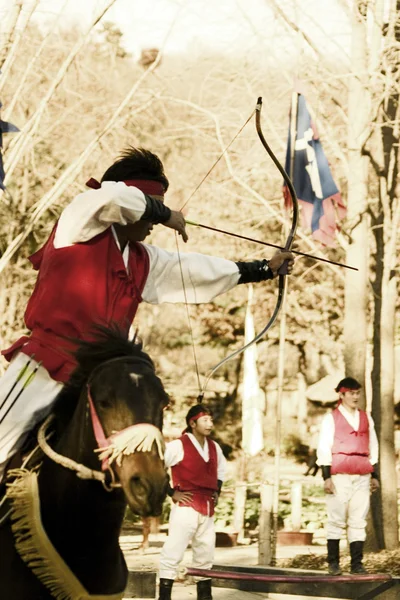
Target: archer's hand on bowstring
{"type": "Point", "coordinates": [178, 223]}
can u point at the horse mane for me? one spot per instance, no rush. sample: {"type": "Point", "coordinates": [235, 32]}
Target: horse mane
{"type": "Point", "coordinates": [106, 343]}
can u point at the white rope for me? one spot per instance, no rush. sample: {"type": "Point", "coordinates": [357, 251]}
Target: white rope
{"type": "Point", "coordinates": [81, 471]}
{"type": "Point", "coordinates": [137, 438]}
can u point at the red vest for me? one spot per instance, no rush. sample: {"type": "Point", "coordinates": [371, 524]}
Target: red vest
{"type": "Point", "coordinates": [194, 474]}
{"type": "Point", "coordinates": [350, 449]}
{"type": "Point", "coordinates": [77, 287]}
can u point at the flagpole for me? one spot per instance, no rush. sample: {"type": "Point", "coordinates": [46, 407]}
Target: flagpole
{"type": "Point", "coordinates": [281, 357]}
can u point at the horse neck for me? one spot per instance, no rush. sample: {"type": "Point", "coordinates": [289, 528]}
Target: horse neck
{"type": "Point", "coordinates": [85, 510]}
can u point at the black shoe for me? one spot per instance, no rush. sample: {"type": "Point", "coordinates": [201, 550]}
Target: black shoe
{"type": "Point", "coordinates": [204, 590]}
{"type": "Point", "coordinates": [165, 589]}
{"type": "Point", "coordinates": [334, 569]}
{"type": "Point", "coordinates": [358, 570]}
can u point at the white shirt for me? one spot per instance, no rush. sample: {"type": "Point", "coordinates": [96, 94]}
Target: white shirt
{"type": "Point", "coordinates": [174, 454]}
{"type": "Point", "coordinates": [327, 432]}
{"type": "Point", "coordinates": [93, 211]}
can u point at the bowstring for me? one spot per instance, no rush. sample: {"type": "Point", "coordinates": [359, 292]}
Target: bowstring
{"type": "Point", "coordinates": [179, 255]}
{"type": "Point", "coordinates": [217, 161]}
{"type": "Point", "coordinates": [188, 314]}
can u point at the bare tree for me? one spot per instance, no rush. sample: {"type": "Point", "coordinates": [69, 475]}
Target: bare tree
{"type": "Point", "coordinates": [382, 149]}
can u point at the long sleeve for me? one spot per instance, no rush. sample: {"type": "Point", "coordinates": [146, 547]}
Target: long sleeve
{"type": "Point", "coordinates": [173, 453]}
{"type": "Point", "coordinates": [325, 441]}
{"type": "Point", "coordinates": [205, 277]}
{"type": "Point", "coordinates": [93, 211]}
{"type": "Point", "coordinates": [373, 442]}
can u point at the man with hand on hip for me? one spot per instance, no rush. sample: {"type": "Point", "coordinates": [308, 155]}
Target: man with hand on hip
{"type": "Point", "coordinates": [348, 453]}
{"type": "Point", "coordinates": [198, 471]}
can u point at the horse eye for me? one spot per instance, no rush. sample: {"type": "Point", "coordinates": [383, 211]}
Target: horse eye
{"type": "Point", "coordinates": [105, 403]}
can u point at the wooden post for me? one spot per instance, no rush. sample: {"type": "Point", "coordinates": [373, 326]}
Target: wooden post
{"type": "Point", "coordinates": [302, 408]}
{"type": "Point", "coordinates": [240, 505]}
{"type": "Point", "coordinates": [265, 527]}
{"type": "Point", "coordinates": [296, 502]}
{"type": "Point", "coordinates": [141, 584]}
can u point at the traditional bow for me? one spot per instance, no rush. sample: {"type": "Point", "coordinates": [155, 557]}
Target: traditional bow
{"type": "Point", "coordinates": [282, 271]}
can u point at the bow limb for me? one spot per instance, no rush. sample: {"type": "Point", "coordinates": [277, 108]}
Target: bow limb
{"type": "Point", "coordinates": [288, 246]}
{"type": "Point", "coordinates": [288, 181]}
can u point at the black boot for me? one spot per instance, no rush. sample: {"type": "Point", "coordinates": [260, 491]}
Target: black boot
{"type": "Point", "coordinates": [356, 554]}
{"type": "Point", "coordinates": [333, 557]}
{"type": "Point", "coordinates": [204, 590]}
{"type": "Point", "coordinates": [165, 589]}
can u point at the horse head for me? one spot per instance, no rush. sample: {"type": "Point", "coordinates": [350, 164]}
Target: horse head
{"type": "Point", "coordinates": [126, 402]}
{"type": "Point", "coordinates": [117, 421]}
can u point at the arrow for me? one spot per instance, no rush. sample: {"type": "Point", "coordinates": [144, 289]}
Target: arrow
{"type": "Point", "coordinates": [242, 237]}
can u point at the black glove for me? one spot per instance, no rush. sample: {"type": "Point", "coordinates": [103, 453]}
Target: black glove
{"type": "Point", "coordinates": [252, 272]}
{"type": "Point", "coordinates": [374, 473]}
{"type": "Point", "coordinates": [155, 211]}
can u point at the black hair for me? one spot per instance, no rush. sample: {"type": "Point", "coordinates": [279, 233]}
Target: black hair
{"type": "Point", "coordinates": [137, 163]}
{"type": "Point", "coordinates": [348, 382]}
{"type": "Point", "coordinates": [193, 412]}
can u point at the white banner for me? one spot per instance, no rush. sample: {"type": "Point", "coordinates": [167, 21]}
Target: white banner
{"type": "Point", "coordinates": [253, 397]}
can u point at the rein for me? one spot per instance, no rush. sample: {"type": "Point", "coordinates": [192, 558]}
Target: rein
{"type": "Point", "coordinates": [134, 438]}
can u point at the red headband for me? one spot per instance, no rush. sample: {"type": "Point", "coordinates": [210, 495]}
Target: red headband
{"type": "Point", "coordinates": [343, 390]}
{"type": "Point", "coordinates": [202, 414]}
{"type": "Point", "coordinates": [147, 186]}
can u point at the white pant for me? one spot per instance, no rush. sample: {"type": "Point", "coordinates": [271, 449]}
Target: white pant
{"type": "Point", "coordinates": [30, 407]}
{"type": "Point", "coordinates": [187, 525]}
{"type": "Point", "coordinates": [349, 507]}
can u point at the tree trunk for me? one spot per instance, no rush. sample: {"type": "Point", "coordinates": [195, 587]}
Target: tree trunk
{"type": "Point", "coordinates": [386, 433]}
{"type": "Point", "coordinates": [375, 538]}
{"type": "Point", "coordinates": [355, 320]}
{"type": "Point", "coordinates": [384, 157]}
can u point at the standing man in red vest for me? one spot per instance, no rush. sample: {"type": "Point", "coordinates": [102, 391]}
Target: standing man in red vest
{"type": "Point", "coordinates": [348, 454]}
{"type": "Point", "coordinates": [94, 269]}
{"type": "Point", "coordinates": [198, 471]}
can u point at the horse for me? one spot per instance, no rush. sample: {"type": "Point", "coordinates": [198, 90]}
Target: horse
{"type": "Point", "coordinates": [61, 540]}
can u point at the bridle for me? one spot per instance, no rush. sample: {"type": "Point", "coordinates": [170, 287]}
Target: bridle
{"type": "Point", "coordinates": [139, 437]}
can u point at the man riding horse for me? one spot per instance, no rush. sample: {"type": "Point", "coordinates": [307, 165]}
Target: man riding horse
{"type": "Point", "coordinates": [94, 269]}
{"type": "Point", "coordinates": [100, 449]}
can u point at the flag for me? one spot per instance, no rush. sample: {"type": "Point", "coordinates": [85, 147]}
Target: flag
{"type": "Point", "coordinates": [253, 398]}
{"type": "Point", "coordinates": [1, 172]}
{"type": "Point", "coordinates": [4, 128]}
{"type": "Point", "coordinates": [320, 200]}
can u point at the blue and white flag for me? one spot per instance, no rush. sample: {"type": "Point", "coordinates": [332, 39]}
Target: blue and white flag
{"type": "Point", "coordinates": [318, 195]}
{"type": "Point", "coordinates": [4, 128]}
